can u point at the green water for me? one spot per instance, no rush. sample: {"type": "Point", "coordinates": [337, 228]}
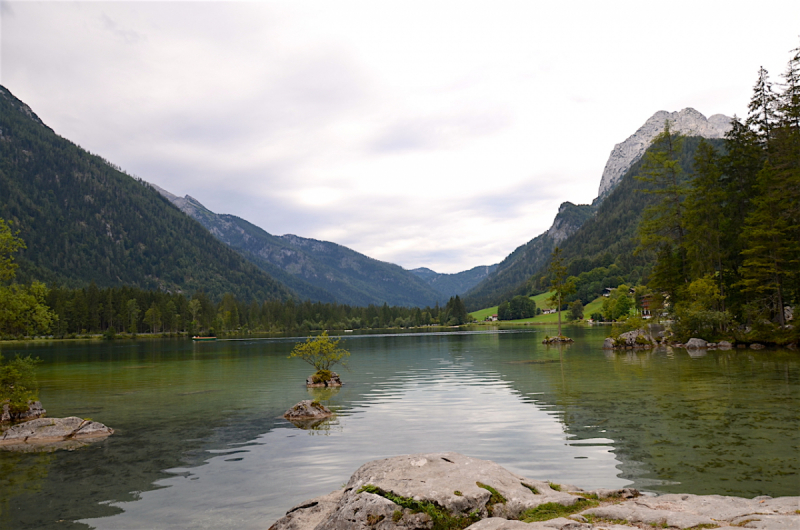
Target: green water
{"type": "Point", "coordinates": [200, 441]}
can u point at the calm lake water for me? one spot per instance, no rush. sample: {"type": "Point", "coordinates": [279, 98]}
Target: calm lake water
{"type": "Point", "coordinates": [200, 441]}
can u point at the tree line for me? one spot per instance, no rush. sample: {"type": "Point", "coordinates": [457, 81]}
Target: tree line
{"type": "Point", "coordinates": [132, 310]}
{"type": "Point", "coordinates": [725, 241]}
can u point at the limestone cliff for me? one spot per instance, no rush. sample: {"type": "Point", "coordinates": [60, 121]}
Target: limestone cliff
{"type": "Point", "coordinates": [688, 122]}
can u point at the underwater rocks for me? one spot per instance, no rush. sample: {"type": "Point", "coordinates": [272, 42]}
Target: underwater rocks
{"type": "Point", "coordinates": [450, 490]}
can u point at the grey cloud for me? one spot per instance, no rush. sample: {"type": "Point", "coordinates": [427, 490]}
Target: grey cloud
{"type": "Point", "coordinates": [431, 133]}
{"type": "Point", "coordinates": [129, 36]}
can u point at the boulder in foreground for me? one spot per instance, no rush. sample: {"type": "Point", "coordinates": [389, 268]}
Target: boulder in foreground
{"type": "Point", "coordinates": [449, 490]}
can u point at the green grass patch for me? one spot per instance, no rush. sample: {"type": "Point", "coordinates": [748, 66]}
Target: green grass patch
{"type": "Point", "coordinates": [496, 498]}
{"type": "Point", "coordinates": [442, 519]}
{"type": "Point", "coordinates": [702, 526]}
{"type": "Point", "coordinates": [532, 488]}
{"type": "Point", "coordinates": [594, 519]}
{"type": "Point", "coordinates": [552, 510]}
{"type": "Point", "coordinates": [554, 486]}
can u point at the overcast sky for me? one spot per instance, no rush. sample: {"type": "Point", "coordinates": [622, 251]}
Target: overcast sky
{"type": "Point", "coordinates": [436, 134]}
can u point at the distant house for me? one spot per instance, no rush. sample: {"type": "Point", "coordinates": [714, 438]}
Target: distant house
{"type": "Point", "coordinates": [647, 302]}
{"type": "Point", "coordinates": [607, 291]}
{"type": "Point", "coordinates": [548, 311]}
{"type": "Point", "coordinates": [491, 318]}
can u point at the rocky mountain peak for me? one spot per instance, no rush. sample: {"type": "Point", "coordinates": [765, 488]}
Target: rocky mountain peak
{"type": "Point", "coordinates": [688, 122]}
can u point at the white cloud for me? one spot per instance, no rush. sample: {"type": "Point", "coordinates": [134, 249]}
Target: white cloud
{"type": "Point", "coordinates": [439, 134]}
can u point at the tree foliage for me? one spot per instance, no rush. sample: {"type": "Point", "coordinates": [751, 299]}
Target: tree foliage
{"type": "Point", "coordinates": [321, 352]}
{"type": "Point", "coordinates": [18, 383]}
{"type": "Point", "coordinates": [517, 308]}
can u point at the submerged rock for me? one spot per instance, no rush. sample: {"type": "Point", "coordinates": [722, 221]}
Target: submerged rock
{"type": "Point", "coordinates": [52, 433]}
{"type": "Point", "coordinates": [557, 340]}
{"type": "Point", "coordinates": [407, 492]}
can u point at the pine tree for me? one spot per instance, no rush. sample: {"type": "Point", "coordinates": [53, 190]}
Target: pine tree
{"type": "Point", "coordinates": [762, 110]}
{"type": "Point", "coordinates": [662, 228]}
{"type": "Point", "coordinates": [770, 255]}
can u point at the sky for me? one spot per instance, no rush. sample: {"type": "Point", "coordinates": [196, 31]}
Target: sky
{"type": "Point", "coordinates": [424, 133]}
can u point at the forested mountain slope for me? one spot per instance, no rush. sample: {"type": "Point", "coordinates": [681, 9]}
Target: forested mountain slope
{"type": "Point", "coordinates": [316, 270]}
{"type": "Point", "coordinates": [527, 259]}
{"type": "Point", "coordinates": [611, 235]}
{"type": "Point", "coordinates": [457, 283]}
{"type": "Point", "coordinates": [84, 220]}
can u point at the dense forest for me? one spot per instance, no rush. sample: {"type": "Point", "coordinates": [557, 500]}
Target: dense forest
{"type": "Point", "coordinates": [131, 310]}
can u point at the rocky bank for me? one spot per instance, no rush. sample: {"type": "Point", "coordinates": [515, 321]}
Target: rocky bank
{"type": "Point", "coordinates": [450, 490]}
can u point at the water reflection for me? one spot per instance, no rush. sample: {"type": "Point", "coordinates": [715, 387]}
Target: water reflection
{"type": "Point", "coordinates": [201, 441]}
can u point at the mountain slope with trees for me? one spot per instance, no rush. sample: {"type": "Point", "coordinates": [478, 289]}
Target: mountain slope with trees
{"type": "Point", "coordinates": [454, 284]}
{"type": "Point", "coordinates": [528, 259]}
{"type": "Point", "coordinates": [316, 270]}
{"type": "Point", "coordinates": [84, 220]}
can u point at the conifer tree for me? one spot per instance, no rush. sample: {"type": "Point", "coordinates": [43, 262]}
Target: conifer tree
{"type": "Point", "coordinates": [662, 228]}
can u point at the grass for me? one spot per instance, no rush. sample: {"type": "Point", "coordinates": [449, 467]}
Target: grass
{"type": "Point", "coordinates": [595, 306]}
{"type": "Point", "coordinates": [533, 489]}
{"type": "Point", "coordinates": [442, 519]}
{"type": "Point", "coordinates": [594, 519]}
{"type": "Point", "coordinates": [554, 486]}
{"type": "Point", "coordinates": [552, 510]}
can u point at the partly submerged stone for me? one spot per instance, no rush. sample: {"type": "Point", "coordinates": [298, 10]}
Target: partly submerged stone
{"type": "Point", "coordinates": [308, 414]}
{"type": "Point", "coordinates": [323, 378]}
{"type": "Point", "coordinates": [402, 493]}
{"type": "Point", "coordinates": [696, 344]}
{"type": "Point", "coordinates": [52, 433]}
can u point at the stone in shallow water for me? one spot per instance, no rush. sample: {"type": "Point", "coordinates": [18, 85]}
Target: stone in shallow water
{"type": "Point", "coordinates": [52, 433]}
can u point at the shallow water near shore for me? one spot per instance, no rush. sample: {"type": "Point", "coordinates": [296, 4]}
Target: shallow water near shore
{"type": "Point", "coordinates": [200, 441]}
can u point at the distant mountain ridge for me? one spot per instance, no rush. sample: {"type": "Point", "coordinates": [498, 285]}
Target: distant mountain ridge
{"type": "Point", "coordinates": [84, 221]}
{"type": "Point", "coordinates": [316, 270]}
{"type": "Point", "coordinates": [688, 122]}
{"type": "Point", "coordinates": [454, 284]}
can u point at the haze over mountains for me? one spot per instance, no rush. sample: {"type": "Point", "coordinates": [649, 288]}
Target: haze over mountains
{"type": "Point", "coordinates": [85, 220]}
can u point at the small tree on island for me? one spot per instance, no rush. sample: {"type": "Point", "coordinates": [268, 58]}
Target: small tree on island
{"type": "Point", "coordinates": [18, 383]}
{"type": "Point", "coordinates": [559, 283]}
{"type": "Point", "coordinates": [322, 353]}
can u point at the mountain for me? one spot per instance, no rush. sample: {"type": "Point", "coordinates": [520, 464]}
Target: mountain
{"type": "Point", "coordinates": [527, 259]}
{"type": "Point", "coordinates": [687, 122]}
{"type": "Point", "coordinates": [454, 284]}
{"type": "Point", "coordinates": [612, 228]}
{"type": "Point", "coordinates": [610, 236]}
{"type": "Point", "coordinates": [316, 270]}
{"type": "Point", "coordinates": [84, 220]}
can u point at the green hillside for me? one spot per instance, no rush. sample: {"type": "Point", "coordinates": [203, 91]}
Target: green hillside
{"type": "Point", "coordinates": [84, 220]}
{"type": "Point", "coordinates": [528, 259]}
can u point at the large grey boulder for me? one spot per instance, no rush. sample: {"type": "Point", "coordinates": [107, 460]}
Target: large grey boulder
{"type": "Point", "coordinates": [696, 344]}
{"type": "Point", "coordinates": [52, 432]}
{"type": "Point", "coordinates": [459, 485]}
{"type": "Point", "coordinates": [386, 495]}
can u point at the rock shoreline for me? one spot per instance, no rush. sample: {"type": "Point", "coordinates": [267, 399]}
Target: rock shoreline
{"type": "Point", "coordinates": [450, 490]}
{"type": "Point", "coordinates": [43, 434]}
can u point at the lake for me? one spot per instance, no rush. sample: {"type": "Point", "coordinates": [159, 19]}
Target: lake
{"type": "Point", "coordinates": [200, 441]}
